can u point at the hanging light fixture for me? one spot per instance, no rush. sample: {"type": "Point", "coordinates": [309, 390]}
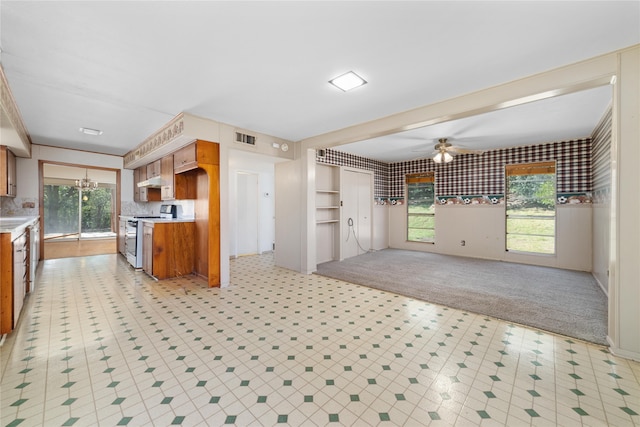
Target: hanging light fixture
{"type": "Point", "coordinates": [442, 151]}
{"type": "Point", "coordinates": [85, 184]}
{"type": "Point", "coordinates": [442, 156]}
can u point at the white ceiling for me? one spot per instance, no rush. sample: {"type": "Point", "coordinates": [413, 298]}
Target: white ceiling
{"type": "Point", "coordinates": [562, 118]}
{"type": "Point", "coordinates": [127, 68]}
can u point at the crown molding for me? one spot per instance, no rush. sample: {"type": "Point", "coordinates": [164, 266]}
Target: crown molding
{"type": "Point", "coordinates": [10, 110]}
{"type": "Point", "coordinates": [157, 143]}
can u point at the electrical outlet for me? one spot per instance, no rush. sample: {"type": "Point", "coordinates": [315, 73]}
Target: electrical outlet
{"type": "Point", "coordinates": [462, 243]}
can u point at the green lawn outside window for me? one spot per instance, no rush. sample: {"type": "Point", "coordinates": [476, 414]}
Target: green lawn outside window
{"type": "Point", "coordinates": [531, 208]}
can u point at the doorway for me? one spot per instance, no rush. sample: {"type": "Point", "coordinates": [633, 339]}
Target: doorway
{"type": "Point", "coordinates": [78, 209]}
{"type": "Point", "coordinates": [248, 213]}
{"type": "Point", "coordinates": [357, 208]}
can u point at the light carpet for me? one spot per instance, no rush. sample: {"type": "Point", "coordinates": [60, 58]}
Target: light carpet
{"type": "Point", "coordinates": [562, 301]}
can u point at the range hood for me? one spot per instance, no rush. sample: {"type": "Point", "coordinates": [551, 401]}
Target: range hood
{"type": "Point", "coordinates": [155, 182]}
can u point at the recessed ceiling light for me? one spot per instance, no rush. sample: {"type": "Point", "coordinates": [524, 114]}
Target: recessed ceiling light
{"type": "Point", "coordinates": [348, 81]}
{"type": "Point", "coordinates": [89, 131]}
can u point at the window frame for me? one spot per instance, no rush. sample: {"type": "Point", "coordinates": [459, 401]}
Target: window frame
{"type": "Point", "coordinates": [420, 178]}
{"type": "Point", "coordinates": [533, 168]}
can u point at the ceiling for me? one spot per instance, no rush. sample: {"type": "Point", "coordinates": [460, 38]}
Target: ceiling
{"type": "Point", "coordinates": [127, 68]}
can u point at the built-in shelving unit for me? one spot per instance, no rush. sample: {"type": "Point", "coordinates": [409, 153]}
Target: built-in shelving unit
{"type": "Point", "coordinates": [327, 213]}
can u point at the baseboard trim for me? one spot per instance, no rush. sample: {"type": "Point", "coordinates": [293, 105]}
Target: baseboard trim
{"type": "Point", "coordinates": [606, 292]}
{"type": "Point", "coordinates": [616, 351]}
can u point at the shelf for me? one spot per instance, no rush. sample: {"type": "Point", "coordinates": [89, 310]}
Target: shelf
{"type": "Point", "coordinates": [328, 221]}
{"type": "Point", "coordinates": [327, 207]}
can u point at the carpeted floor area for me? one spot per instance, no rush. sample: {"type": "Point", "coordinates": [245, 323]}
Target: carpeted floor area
{"type": "Point", "coordinates": [562, 301]}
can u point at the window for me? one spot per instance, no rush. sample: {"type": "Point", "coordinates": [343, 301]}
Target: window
{"type": "Point", "coordinates": [420, 208]}
{"type": "Point", "coordinates": [71, 214]}
{"type": "Point", "coordinates": [531, 207]}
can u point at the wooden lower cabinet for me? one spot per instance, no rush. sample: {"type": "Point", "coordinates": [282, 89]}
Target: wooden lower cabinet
{"type": "Point", "coordinates": [13, 279]}
{"type": "Point", "coordinates": [168, 249]}
{"type": "Point", "coordinates": [20, 269]}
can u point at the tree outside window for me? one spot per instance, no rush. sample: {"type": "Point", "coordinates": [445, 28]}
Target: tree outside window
{"type": "Point", "coordinates": [531, 207]}
{"type": "Point", "coordinates": [70, 214]}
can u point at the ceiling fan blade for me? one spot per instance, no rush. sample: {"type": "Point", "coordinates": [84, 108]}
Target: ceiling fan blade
{"type": "Point", "coordinates": [418, 158]}
{"type": "Point", "coordinates": [460, 150]}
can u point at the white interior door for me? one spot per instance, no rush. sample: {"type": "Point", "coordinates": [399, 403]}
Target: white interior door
{"type": "Point", "coordinates": [247, 215]}
{"type": "Point", "coordinates": [357, 200]}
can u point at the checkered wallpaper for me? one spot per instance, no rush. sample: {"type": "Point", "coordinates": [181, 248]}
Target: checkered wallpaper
{"type": "Point", "coordinates": [484, 174]}
{"type": "Point", "coordinates": [601, 159]}
{"type": "Point", "coordinates": [470, 174]}
{"type": "Point", "coordinates": [380, 170]}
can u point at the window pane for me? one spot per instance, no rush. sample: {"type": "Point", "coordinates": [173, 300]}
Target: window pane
{"type": "Point", "coordinates": [420, 212]}
{"type": "Point", "coordinates": [421, 221]}
{"type": "Point", "coordinates": [420, 198]}
{"type": "Point", "coordinates": [60, 211]}
{"type": "Point", "coordinates": [524, 243]}
{"type": "Point", "coordinates": [96, 211]}
{"type": "Point", "coordinates": [544, 227]}
{"type": "Point", "coordinates": [531, 209]}
{"type": "Point", "coordinates": [531, 192]}
{"type": "Point", "coordinates": [421, 235]}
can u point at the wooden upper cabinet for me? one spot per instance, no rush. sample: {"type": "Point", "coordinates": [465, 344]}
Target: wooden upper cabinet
{"type": "Point", "coordinates": [199, 152]}
{"type": "Point", "coordinates": [207, 153]}
{"type": "Point", "coordinates": [167, 178]}
{"type": "Point", "coordinates": [139, 193]}
{"type": "Point", "coordinates": [154, 169]}
{"type": "Point", "coordinates": [175, 170]}
{"type": "Point", "coordinates": [7, 172]}
{"type": "Point", "coordinates": [185, 159]}
{"type": "Point", "coordinates": [144, 194]}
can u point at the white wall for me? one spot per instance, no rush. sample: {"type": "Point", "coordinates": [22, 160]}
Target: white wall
{"type": "Point", "coordinates": [288, 206]}
{"type": "Point", "coordinates": [624, 270]}
{"type": "Point", "coordinates": [27, 176]}
{"type": "Point", "coordinates": [380, 227]}
{"type": "Point", "coordinates": [601, 229]}
{"type": "Point", "coordinates": [482, 227]}
{"type": "Point", "coordinates": [27, 169]}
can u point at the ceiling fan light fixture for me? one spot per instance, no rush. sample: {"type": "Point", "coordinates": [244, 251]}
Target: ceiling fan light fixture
{"type": "Point", "coordinates": [442, 157]}
{"type": "Point", "coordinates": [348, 81]}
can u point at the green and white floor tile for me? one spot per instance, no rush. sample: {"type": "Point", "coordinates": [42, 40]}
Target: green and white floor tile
{"type": "Point", "coordinates": [100, 344]}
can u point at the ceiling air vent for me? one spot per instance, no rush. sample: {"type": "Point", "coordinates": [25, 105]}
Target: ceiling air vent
{"type": "Point", "coordinates": [243, 138]}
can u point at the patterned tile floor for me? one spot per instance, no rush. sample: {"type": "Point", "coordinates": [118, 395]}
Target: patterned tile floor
{"type": "Point", "coordinates": [100, 344]}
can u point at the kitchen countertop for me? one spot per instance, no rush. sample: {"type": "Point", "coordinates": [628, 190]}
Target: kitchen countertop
{"type": "Point", "coordinates": [16, 224]}
{"type": "Point", "coordinates": [161, 220]}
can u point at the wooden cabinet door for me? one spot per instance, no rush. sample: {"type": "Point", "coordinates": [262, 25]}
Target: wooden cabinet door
{"type": "Point", "coordinates": [167, 178]}
{"type": "Point", "coordinates": [185, 159]}
{"type": "Point", "coordinates": [20, 259]}
{"type": "Point", "coordinates": [154, 169]}
{"type": "Point", "coordinates": [11, 174]}
{"type": "Point", "coordinates": [7, 172]}
{"type": "Point", "coordinates": [139, 193]}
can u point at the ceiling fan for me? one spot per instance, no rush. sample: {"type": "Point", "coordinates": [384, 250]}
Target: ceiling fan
{"type": "Point", "coordinates": [444, 151]}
